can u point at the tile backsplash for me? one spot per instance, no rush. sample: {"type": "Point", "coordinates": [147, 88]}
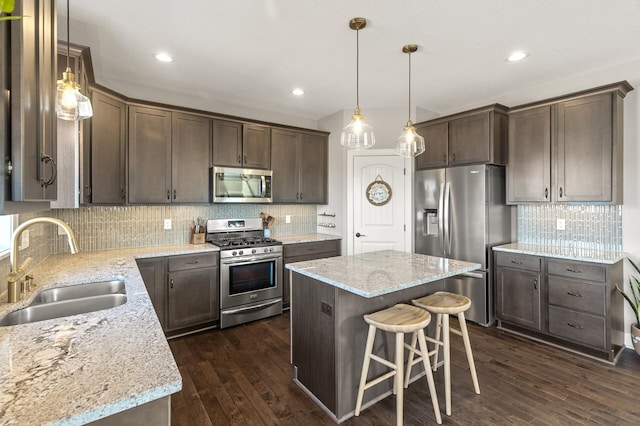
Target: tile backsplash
{"type": "Point", "coordinates": [587, 226]}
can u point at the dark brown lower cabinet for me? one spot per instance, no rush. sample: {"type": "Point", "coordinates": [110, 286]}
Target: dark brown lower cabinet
{"type": "Point", "coordinates": [184, 290]}
{"type": "Point", "coordinates": [300, 252]}
{"type": "Point", "coordinates": [568, 303]}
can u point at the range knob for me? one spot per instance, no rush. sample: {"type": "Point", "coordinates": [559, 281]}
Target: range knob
{"type": "Point", "coordinates": [234, 253]}
{"type": "Point", "coordinates": [253, 251]}
{"type": "Point", "coordinates": [240, 252]}
{"type": "Point", "coordinates": [266, 250]}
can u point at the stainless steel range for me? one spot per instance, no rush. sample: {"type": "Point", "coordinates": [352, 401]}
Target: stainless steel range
{"type": "Point", "coordinates": [250, 270]}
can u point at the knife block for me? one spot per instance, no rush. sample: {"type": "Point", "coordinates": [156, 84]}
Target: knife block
{"type": "Point", "coordinates": [197, 238]}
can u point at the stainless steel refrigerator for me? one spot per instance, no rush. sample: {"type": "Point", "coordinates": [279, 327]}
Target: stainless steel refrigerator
{"type": "Point", "coordinates": [460, 213]}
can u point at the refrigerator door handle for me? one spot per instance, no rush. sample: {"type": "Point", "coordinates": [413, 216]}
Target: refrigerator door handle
{"type": "Point", "coordinates": [441, 219]}
{"type": "Point", "coordinates": [447, 219]}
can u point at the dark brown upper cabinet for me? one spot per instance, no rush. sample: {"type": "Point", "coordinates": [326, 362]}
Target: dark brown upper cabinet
{"type": "Point", "coordinates": [32, 81]}
{"type": "Point", "coordinates": [568, 149]}
{"type": "Point", "coordinates": [190, 153]}
{"type": "Point", "coordinates": [107, 147]}
{"type": "Point", "coordinates": [299, 162]}
{"type": "Point", "coordinates": [241, 145]}
{"type": "Point", "coordinates": [472, 137]}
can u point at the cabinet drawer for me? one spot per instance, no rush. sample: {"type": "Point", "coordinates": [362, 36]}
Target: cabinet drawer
{"type": "Point", "coordinates": [519, 261]}
{"type": "Point", "coordinates": [192, 261]}
{"type": "Point", "coordinates": [577, 295]}
{"type": "Point", "coordinates": [577, 270]}
{"type": "Point", "coordinates": [578, 327]}
{"type": "Point", "coordinates": [304, 249]}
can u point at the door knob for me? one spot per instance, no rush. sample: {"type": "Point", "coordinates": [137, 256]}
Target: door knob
{"type": "Point", "coordinates": [360, 235]}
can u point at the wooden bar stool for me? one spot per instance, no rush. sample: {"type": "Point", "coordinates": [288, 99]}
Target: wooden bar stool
{"type": "Point", "coordinates": [444, 304]}
{"type": "Point", "coordinates": [398, 319]}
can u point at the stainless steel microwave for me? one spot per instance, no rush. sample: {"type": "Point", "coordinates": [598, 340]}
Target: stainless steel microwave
{"type": "Point", "coordinates": [235, 185]}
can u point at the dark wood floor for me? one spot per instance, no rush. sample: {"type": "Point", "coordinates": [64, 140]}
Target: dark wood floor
{"type": "Point", "coordinates": [242, 376]}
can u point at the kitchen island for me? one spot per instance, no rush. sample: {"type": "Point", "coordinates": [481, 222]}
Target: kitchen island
{"type": "Point", "coordinates": [328, 333]}
{"type": "Point", "coordinates": [106, 366]}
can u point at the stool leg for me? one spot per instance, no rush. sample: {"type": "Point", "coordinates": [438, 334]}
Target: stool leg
{"type": "Point", "coordinates": [397, 379]}
{"type": "Point", "coordinates": [429, 374]}
{"type": "Point", "coordinates": [438, 331]}
{"type": "Point", "coordinates": [447, 364]}
{"type": "Point", "coordinates": [414, 339]}
{"type": "Point", "coordinates": [365, 366]}
{"type": "Point", "coordinates": [467, 348]}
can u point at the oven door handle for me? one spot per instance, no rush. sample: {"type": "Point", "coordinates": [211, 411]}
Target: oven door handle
{"type": "Point", "coordinates": [250, 259]}
{"type": "Point", "coordinates": [251, 308]}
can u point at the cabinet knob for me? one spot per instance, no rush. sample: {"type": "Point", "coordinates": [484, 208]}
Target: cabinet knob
{"type": "Point", "coordinates": [535, 284]}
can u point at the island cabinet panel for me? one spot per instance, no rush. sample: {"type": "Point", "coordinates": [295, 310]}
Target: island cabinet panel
{"type": "Point", "coordinates": [190, 153]}
{"type": "Point", "coordinates": [153, 275]}
{"type": "Point", "coordinates": [300, 168]}
{"type": "Point", "coordinates": [518, 290]}
{"type": "Point", "coordinates": [568, 149]}
{"type": "Point", "coordinates": [192, 291]}
{"type": "Point", "coordinates": [149, 155]}
{"type": "Point", "coordinates": [107, 147]}
{"type": "Point", "coordinates": [577, 306]}
{"type": "Point", "coordinates": [300, 252]}
{"type": "Point", "coordinates": [478, 136]}
{"type": "Point", "coordinates": [328, 335]}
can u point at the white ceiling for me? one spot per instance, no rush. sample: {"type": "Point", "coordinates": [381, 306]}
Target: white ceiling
{"type": "Point", "coordinates": [251, 53]}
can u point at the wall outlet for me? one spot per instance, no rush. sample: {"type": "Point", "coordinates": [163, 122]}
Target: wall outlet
{"type": "Point", "coordinates": [24, 240]}
{"type": "Point", "coordinates": [560, 225]}
{"type": "Point", "coordinates": [167, 224]}
{"type": "Point", "coordinates": [287, 219]}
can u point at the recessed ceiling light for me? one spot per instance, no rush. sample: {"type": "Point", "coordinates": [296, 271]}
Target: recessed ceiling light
{"type": "Point", "coordinates": [297, 92]}
{"type": "Point", "coordinates": [163, 57]}
{"type": "Point", "coordinates": [517, 56]}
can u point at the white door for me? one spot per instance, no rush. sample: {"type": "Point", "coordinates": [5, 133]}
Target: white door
{"type": "Point", "coordinates": [381, 224]}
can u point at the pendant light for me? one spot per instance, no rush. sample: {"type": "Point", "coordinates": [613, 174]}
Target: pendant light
{"type": "Point", "coordinates": [70, 103]}
{"type": "Point", "coordinates": [357, 134]}
{"type": "Point", "coordinates": [410, 143]}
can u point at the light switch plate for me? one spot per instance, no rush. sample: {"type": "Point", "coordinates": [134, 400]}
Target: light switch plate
{"type": "Point", "coordinates": [287, 219]}
{"type": "Point", "coordinates": [167, 224]}
{"type": "Point", "coordinates": [560, 225]}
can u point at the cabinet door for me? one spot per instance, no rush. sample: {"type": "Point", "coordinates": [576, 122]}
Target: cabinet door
{"type": "Point", "coordinates": [33, 88]}
{"type": "Point", "coordinates": [436, 141]}
{"type": "Point", "coordinates": [518, 297]}
{"type": "Point", "coordinates": [149, 155]}
{"type": "Point", "coordinates": [153, 275]}
{"type": "Point", "coordinates": [227, 143]}
{"type": "Point", "coordinates": [469, 139]}
{"type": "Point", "coordinates": [256, 146]}
{"type": "Point", "coordinates": [192, 297]}
{"type": "Point", "coordinates": [107, 147]}
{"type": "Point", "coordinates": [284, 153]}
{"type": "Point", "coordinates": [529, 166]}
{"type": "Point", "coordinates": [584, 148]}
{"type": "Point", "coordinates": [312, 156]}
{"type": "Point", "coordinates": [190, 145]}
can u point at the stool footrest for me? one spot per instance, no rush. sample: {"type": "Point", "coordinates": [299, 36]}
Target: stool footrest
{"type": "Point", "coordinates": [383, 361]}
{"type": "Point", "coordinates": [379, 379]}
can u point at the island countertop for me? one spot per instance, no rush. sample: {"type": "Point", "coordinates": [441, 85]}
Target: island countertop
{"type": "Point", "coordinates": [77, 369]}
{"type": "Point", "coordinates": [377, 273]}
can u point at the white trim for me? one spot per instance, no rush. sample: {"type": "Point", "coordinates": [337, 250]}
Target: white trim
{"type": "Point", "coordinates": [408, 195]}
{"type": "Point", "coordinates": [14, 224]}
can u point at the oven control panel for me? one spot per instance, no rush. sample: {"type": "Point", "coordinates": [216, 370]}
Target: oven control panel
{"type": "Point", "coordinates": [251, 251]}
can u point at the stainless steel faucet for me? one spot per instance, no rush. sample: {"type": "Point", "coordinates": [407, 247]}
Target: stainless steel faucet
{"type": "Point", "coordinates": [17, 272]}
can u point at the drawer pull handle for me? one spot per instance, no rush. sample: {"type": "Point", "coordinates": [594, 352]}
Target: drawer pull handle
{"type": "Point", "coordinates": [574, 294]}
{"type": "Point", "coordinates": [575, 271]}
{"type": "Point", "coordinates": [171, 282]}
{"type": "Point", "coordinates": [193, 262]}
{"type": "Point", "coordinates": [579, 327]}
{"type": "Point", "coordinates": [517, 262]}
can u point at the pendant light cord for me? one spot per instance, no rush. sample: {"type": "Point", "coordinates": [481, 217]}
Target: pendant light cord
{"type": "Point", "coordinates": [409, 86]}
{"type": "Point", "coordinates": [357, 68]}
{"type": "Point", "coordinates": [68, 38]}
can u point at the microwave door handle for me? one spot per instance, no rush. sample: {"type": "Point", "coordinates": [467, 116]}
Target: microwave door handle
{"type": "Point", "coordinates": [263, 185]}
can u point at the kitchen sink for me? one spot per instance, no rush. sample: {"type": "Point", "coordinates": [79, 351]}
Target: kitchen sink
{"type": "Point", "coordinates": [65, 301]}
{"type": "Point", "coordinates": [98, 288]}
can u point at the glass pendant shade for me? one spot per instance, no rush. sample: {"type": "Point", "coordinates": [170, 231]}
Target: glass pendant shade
{"type": "Point", "coordinates": [409, 144]}
{"type": "Point", "coordinates": [357, 134]}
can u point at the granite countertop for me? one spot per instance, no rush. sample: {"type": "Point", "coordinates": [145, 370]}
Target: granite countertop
{"type": "Point", "coordinates": [570, 253]}
{"type": "Point", "coordinates": [376, 273]}
{"type": "Point", "coordinates": [80, 368]}
{"type": "Point", "coordinates": [306, 238]}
